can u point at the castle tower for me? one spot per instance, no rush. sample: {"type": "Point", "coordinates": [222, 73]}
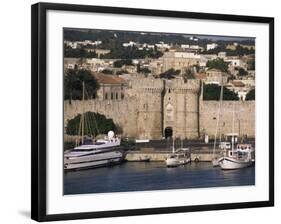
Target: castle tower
{"type": "Point", "coordinates": [149, 104]}
{"type": "Point", "coordinates": [180, 117]}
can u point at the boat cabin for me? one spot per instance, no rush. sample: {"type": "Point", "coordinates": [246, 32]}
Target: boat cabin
{"type": "Point", "coordinates": [229, 137]}
{"type": "Point", "coordinates": [244, 147]}
{"type": "Point", "coordinates": [225, 145]}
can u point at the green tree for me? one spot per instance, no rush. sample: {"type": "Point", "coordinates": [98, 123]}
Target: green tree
{"type": "Point", "coordinates": [188, 74]}
{"type": "Point", "coordinates": [212, 92]}
{"type": "Point", "coordinates": [138, 68]}
{"type": "Point", "coordinates": [240, 51]}
{"type": "Point", "coordinates": [218, 63]}
{"type": "Point", "coordinates": [73, 79]}
{"type": "Point", "coordinates": [107, 71]}
{"type": "Point", "coordinates": [120, 63]}
{"type": "Point", "coordinates": [250, 95]}
{"type": "Point", "coordinates": [94, 124]}
{"type": "Point", "coordinates": [170, 74]}
{"type": "Point", "coordinates": [78, 53]}
{"type": "Point", "coordinates": [119, 51]}
{"type": "Point", "coordinates": [242, 72]}
{"type": "Point", "coordinates": [145, 70]}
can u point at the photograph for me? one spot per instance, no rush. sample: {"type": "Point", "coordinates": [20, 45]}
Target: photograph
{"type": "Point", "coordinates": [154, 111]}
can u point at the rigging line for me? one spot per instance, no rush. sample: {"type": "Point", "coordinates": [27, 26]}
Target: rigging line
{"type": "Point", "coordinates": [96, 124]}
{"type": "Point", "coordinates": [221, 97]}
{"type": "Point", "coordinates": [95, 121]}
{"type": "Point", "coordinates": [88, 114]}
{"type": "Point", "coordinates": [218, 118]}
{"type": "Point", "coordinates": [80, 127]}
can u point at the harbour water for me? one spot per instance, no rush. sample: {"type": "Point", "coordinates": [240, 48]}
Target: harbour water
{"type": "Point", "coordinates": [147, 176]}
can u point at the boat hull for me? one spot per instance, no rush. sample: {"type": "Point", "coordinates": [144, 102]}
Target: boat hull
{"type": "Point", "coordinates": [216, 161]}
{"type": "Point", "coordinates": [93, 161]}
{"type": "Point", "coordinates": [176, 162]}
{"type": "Point", "coordinates": [231, 164]}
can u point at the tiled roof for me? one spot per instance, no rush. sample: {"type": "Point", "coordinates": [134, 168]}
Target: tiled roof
{"type": "Point", "coordinates": [109, 79]}
{"type": "Point", "coordinates": [238, 83]}
{"type": "Point", "coordinates": [214, 70]}
{"type": "Point", "coordinates": [200, 75]}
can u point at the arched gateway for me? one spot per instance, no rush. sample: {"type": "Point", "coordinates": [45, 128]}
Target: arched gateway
{"type": "Point", "coordinates": [168, 132]}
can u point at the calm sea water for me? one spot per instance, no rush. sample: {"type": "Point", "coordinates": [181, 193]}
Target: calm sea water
{"type": "Point", "coordinates": [143, 176]}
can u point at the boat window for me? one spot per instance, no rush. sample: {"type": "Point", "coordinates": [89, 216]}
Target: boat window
{"type": "Point", "coordinates": [84, 150]}
{"type": "Point", "coordinates": [99, 143]}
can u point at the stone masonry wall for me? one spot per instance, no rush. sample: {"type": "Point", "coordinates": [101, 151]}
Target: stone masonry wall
{"type": "Point", "coordinates": [122, 112]}
{"type": "Point", "coordinates": [244, 117]}
{"type": "Point", "coordinates": [148, 110]}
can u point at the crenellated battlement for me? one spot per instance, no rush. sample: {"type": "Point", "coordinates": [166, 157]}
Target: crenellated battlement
{"type": "Point", "coordinates": [151, 105]}
{"type": "Point", "coordinates": [152, 85]}
{"type": "Point", "coordinates": [181, 86]}
{"type": "Point", "coordinates": [147, 83]}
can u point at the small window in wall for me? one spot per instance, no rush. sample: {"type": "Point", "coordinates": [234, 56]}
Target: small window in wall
{"type": "Point", "coordinates": [105, 96]}
{"type": "Point", "coordinates": [116, 95]}
{"type": "Point", "coordinates": [122, 96]}
{"type": "Point", "coordinates": [169, 91]}
{"type": "Point", "coordinates": [112, 96]}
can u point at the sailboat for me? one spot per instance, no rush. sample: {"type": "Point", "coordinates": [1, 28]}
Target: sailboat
{"type": "Point", "coordinates": [215, 157]}
{"type": "Point", "coordinates": [239, 157]}
{"type": "Point", "coordinates": [178, 157]}
{"type": "Point", "coordinates": [90, 154]}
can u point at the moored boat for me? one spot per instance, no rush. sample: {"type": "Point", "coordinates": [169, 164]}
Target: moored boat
{"type": "Point", "coordinates": [93, 153]}
{"type": "Point", "coordinates": [238, 158]}
{"type": "Point", "coordinates": [178, 157]}
{"type": "Point", "coordinates": [100, 153]}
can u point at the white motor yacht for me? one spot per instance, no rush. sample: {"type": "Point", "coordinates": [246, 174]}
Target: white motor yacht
{"type": "Point", "coordinates": [102, 152]}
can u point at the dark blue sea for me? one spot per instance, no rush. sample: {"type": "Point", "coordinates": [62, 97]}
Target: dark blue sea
{"type": "Point", "coordinates": [144, 176]}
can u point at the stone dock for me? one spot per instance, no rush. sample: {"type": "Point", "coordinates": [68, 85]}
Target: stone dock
{"type": "Point", "coordinates": [198, 155]}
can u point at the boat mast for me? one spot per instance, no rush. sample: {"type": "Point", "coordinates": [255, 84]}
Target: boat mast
{"type": "Point", "coordinates": [82, 116]}
{"type": "Point", "coordinates": [181, 143]}
{"type": "Point", "coordinates": [218, 119]}
{"type": "Point", "coordinates": [173, 145]}
{"type": "Point", "coordinates": [232, 128]}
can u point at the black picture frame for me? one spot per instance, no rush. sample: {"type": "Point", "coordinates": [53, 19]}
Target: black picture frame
{"type": "Point", "coordinates": [38, 108]}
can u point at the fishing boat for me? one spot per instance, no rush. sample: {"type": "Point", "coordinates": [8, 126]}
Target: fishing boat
{"type": "Point", "coordinates": [218, 157]}
{"type": "Point", "coordinates": [237, 157]}
{"type": "Point", "coordinates": [178, 157]}
{"type": "Point", "coordinates": [94, 153]}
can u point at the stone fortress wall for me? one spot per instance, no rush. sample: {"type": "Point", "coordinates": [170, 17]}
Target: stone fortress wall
{"type": "Point", "coordinates": [153, 106]}
{"type": "Point", "coordinates": [122, 112]}
{"type": "Point", "coordinates": [244, 117]}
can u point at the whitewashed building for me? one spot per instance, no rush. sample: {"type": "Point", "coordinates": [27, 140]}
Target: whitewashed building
{"type": "Point", "coordinates": [211, 46]}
